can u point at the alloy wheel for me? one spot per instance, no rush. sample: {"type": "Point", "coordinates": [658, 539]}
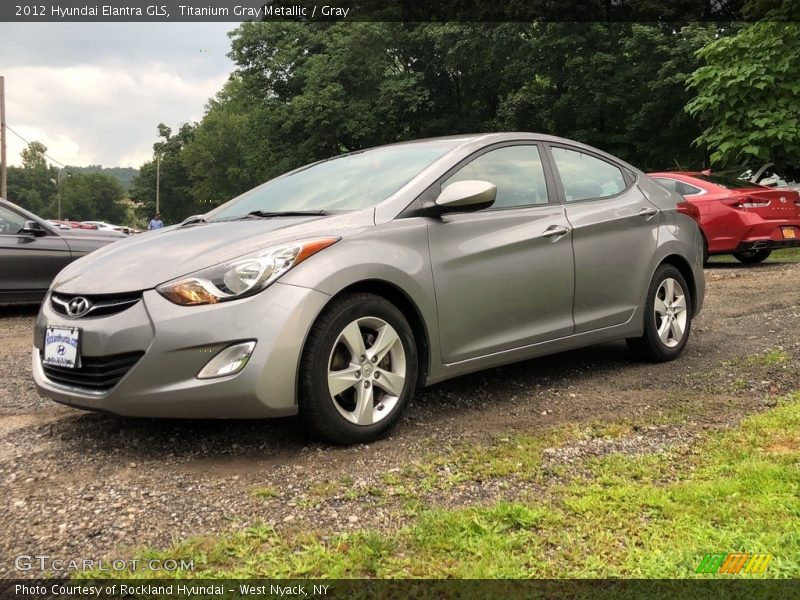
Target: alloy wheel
{"type": "Point", "coordinates": [670, 312]}
{"type": "Point", "coordinates": [366, 371]}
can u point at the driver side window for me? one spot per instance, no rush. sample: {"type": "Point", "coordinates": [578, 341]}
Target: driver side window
{"type": "Point", "coordinates": [516, 171]}
{"type": "Point", "coordinates": [10, 222]}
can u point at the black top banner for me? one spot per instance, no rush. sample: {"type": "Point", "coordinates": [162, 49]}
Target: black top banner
{"type": "Point", "coordinates": [683, 11]}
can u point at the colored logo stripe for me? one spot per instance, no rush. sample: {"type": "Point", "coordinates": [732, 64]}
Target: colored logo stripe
{"type": "Point", "coordinates": [733, 563]}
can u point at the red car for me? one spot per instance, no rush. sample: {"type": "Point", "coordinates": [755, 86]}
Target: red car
{"type": "Point", "coordinates": [738, 217]}
{"type": "Point", "coordinates": [70, 224]}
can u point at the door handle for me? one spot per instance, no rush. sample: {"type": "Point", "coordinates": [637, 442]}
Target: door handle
{"type": "Point", "coordinates": [648, 213]}
{"type": "Point", "coordinates": [556, 231]}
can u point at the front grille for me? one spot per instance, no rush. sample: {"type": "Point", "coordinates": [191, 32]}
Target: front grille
{"type": "Point", "coordinates": [99, 305]}
{"type": "Point", "coordinates": [96, 373]}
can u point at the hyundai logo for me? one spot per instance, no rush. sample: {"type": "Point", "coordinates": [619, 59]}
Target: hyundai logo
{"type": "Point", "coordinates": [783, 199]}
{"type": "Point", "coordinates": [77, 307]}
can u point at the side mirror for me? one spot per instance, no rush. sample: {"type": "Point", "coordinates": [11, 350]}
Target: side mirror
{"type": "Point", "coordinates": [33, 228]}
{"type": "Point", "coordinates": [463, 196]}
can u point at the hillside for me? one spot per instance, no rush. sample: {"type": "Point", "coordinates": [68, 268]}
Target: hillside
{"type": "Point", "coordinates": [122, 174]}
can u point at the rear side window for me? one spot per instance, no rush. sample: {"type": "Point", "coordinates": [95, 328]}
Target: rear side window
{"type": "Point", "coordinates": [684, 189]}
{"type": "Point", "coordinates": [585, 177]}
{"type": "Point", "coordinates": [516, 171]}
{"type": "Point", "coordinates": [10, 222]}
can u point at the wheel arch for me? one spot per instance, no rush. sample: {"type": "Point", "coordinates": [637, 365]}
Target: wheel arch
{"type": "Point", "coordinates": [680, 263]}
{"type": "Point", "coordinates": [399, 298]}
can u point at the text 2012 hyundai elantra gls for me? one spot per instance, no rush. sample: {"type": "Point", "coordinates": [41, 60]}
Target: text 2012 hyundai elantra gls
{"type": "Point", "coordinates": [336, 290]}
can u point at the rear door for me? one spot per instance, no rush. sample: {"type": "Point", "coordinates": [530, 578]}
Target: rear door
{"type": "Point", "coordinates": [504, 275]}
{"type": "Point", "coordinates": [614, 236]}
{"type": "Point", "coordinates": [28, 263]}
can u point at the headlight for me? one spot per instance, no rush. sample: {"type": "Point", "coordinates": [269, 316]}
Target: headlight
{"type": "Point", "coordinates": [241, 276]}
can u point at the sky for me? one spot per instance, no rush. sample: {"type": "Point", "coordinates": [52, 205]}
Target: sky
{"type": "Point", "coordinates": [94, 93]}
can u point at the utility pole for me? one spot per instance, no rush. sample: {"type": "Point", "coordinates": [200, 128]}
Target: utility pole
{"type": "Point", "coordinates": [57, 182]}
{"type": "Point", "coordinates": [158, 179]}
{"type": "Point", "coordinates": [58, 185]}
{"type": "Point", "coordinates": [3, 162]}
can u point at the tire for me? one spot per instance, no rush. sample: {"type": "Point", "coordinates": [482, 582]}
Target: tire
{"type": "Point", "coordinates": [706, 255]}
{"type": "Point", "coordinates": [666, 324]}
{"type": "Point", "coordinates": [752, 257]}
{"type": "Point", "coordinates": [349, 375]}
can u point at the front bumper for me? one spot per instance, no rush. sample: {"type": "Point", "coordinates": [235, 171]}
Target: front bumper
{"type": "Point", "coordinates": [178, 341]}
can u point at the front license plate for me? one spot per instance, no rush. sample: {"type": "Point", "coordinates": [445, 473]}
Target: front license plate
{"type": "Point", "coordinates": [789, 233]}
{"type": "Point", "coordinates": [62, 347]}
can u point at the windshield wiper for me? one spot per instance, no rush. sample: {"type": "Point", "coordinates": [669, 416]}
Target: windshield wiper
{"type": "Point", "coordinates": [260, 214]}
{"type": "Point", "coordinates": [193, 219]}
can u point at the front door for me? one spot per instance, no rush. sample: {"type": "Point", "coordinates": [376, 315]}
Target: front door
{"type": "Point", "coordinates": [503, 275]}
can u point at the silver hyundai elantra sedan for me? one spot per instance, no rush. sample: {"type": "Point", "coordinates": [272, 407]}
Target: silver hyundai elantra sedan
{"type": "Point", "coordinates": [338, 289]}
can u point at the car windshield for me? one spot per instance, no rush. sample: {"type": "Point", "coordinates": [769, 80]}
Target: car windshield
{"type": "Point", "coordinates": [727, 182]}
{"type": "Point", "coordinates": [350, 182]}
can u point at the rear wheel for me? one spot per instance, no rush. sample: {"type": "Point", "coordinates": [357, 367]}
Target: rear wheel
{"type": "Point", "coordinates": [359, 370]}
{"type": "Point", "coordinates": [752, 257]}
{"type": "Point", "coordinates": [667, 317]}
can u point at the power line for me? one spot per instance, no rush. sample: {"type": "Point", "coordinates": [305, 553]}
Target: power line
{"type": "Point", "coordinates": [27, 142]}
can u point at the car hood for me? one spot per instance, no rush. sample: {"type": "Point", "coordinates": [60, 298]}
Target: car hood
{"type": "Point", "coordinates": [146, 260]}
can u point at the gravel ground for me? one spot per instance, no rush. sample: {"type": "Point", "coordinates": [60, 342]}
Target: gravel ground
{"type": "Point", "coordinates": [80, 485]}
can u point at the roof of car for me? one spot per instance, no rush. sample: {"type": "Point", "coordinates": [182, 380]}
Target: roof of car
{"type": "Point", "coordinates": [668, 173]}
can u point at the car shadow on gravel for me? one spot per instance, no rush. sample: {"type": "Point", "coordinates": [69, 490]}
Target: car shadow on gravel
{"type": "Point", "coordinates": [18, 310]}
{"type": "Point", "coordinates": [112, 439]}
{"type": "Point", "coordinates": [552, 371]}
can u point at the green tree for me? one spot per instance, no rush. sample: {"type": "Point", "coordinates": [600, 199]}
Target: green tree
{"type": "Point", "coordinates": [33, 186]}
{"type": "Point", "coordinates": [221, 157]}
{"type": "Point", "coordinates": [92, 197]}
{"type": "Point", "coordinates": [748, 95]}
{"type": "Point", "coordinates": [303, 92]}
{"type": "Point", "coordinates": [620, 87]}
{"type": "Point", "coordinates": [176, 201]}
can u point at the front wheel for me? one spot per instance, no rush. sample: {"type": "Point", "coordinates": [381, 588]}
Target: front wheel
{"type": "Point", "coordinates": [752, 257]}
{"type": "Point", "coordinates": [358, 371]}
{"type": "Point", "coordinates": [667, 317]}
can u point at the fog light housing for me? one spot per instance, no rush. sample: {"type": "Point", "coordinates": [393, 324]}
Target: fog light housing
{"type": "Point", "coordinates": [227, 361]}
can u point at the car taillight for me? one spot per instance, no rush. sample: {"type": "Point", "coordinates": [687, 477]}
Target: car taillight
{"type": "Point", "coordinates": [749, 202]}
{"type": "Point", "coordinates": [689, 209]}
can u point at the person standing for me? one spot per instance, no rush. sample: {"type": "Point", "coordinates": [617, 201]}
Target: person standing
{"type": "Point", "coordinates": [155, 222]}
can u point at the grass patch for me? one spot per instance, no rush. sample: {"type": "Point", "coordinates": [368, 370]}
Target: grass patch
{"type": "Point", "coordinates": [777, 256]}
{"type": "Point", "coordinates": [648, 516]}
{"type": "Point", "coordinates": [768, 358]}
{"type": "Point", "coordinates": [266, 491]}
{"type": "Point", "coordinates": [324, 489]}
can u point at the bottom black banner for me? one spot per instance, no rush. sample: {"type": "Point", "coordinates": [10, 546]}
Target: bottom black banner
{"type": "Point", "coordinates": [242, 589]}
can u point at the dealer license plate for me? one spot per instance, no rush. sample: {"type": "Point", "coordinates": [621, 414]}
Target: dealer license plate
{"type": "Point", "coordinates": [789, 233]}
{"type": "Point", "coordinates": [62, 347]}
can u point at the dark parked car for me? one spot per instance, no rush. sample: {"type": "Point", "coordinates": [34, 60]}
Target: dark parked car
{"type": "Point", "coordinates": [33, 251]}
